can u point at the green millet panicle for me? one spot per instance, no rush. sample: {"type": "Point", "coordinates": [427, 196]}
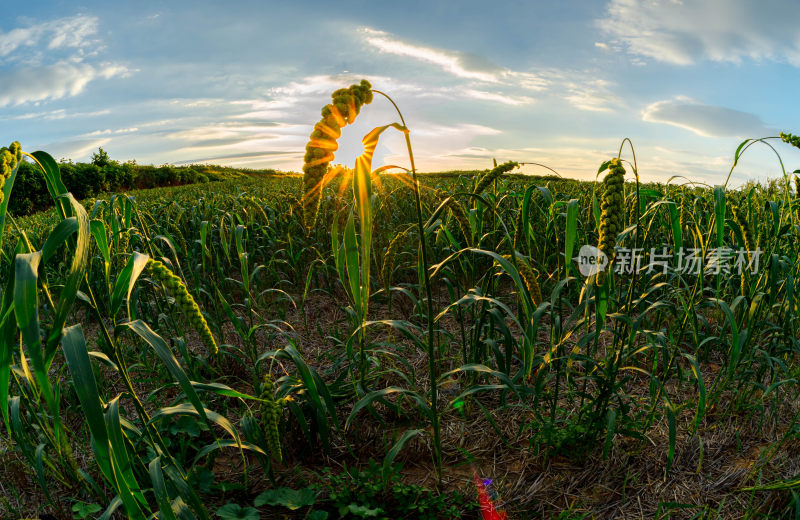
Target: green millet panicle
{"type": "Point", "coordinates": [124, 241]}
{"type": "Point", "coordinates": [388, 259]}
{"type": "Point", "coordinates": [518, 231]}
{"type": "Point", "coordinates": [461, 218]}
{"type": "Point", "coordinates": [613, 207]}
{"type": "Point", "coordinates": [322, 144]}
{"type": "Point", "coordinates": [748, 233]}
{"type": "Point", "coordinates": [748, 236]}
{"type": "Point", "coordinates": [178, 236]}
{"type": "Point", "coordinates": [9, 159]}
{"type": "Point", "coordinates": [793, 140]}
{"type": "Point", "coordinates": [493, 174]}
{"type": "Point", "coordinates": [797, 192]}
{"type": "Point", "coordinates": [684, 213]}
{"type": "Point", "coordinates": [530, 277]}
{"type": "Point", "coordinates": [184, 300]}
{"type": "Point", "coordinates": [271, 411]}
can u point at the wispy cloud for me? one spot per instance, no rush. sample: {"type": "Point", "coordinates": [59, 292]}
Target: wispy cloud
{"type": "Point", "coordinates": [61, 113]}
{"type": "Point", "coordinates": [50, 82]}
{"type": "Point", "coordinates": [52, 59]}
{"type": "Point", "coordinates": [497, 97]}
{"type": "Point", "coordinates": [75, 148]}
{"type": "Point", "coordinates": [594, 95]}
{"type": "Point", "coordinates": [459, 64]}
{"type": "Point", "coordinates": [455, 63]}
{"type": "Point", "coordinates": [109, 131]}
{"type": "Point", "coordinates": [73, 32]}
{"type": "Point", "coordinates": [684, 33]}
{"type": "Point", "coordinates": [705, 120]}
{"type": "Point", "coordinates": [487, 81]}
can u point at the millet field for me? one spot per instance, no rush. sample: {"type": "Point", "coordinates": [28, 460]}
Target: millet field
{"type": "Point", "coordinates": [371, 342]}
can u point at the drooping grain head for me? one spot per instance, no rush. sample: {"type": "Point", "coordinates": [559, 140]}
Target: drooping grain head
{"type": "Point", "coordinates": [271, 411]}
{"type": "Point", "coordinates": [613, 208]}
{"type": "Point", "coordinates": [9, 158]}
{"type": "Point", "coordinates": [185, 302]}
{"type": "Point", "coordinates": [793, 140]}
{"type": "Point", "coordinates": [493, 174]}
{"type": "Point", "coordinates": [387, 268]}
{"type": "Point", "coordinates": [684, 213]}
{"type": "Point", "coordinates": [461, 218]}
{"type": "Point", "coordinates": [519, 230]}
{"type": "Point", "coordinates": [323, 142]}
{"type": "Point", "coordinates": [748, 233]}
{"type": "Point", "coordinates": [530, 277]}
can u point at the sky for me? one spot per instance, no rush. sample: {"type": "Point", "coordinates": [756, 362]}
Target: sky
{"type": "Point", "coordinates": [555, 83]}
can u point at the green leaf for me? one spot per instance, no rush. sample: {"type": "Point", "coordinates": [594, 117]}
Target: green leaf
{"type": "Point", "coordinates": [26, 309]}
{"type": "Point", "coordinates": [572, 233]}
{"type": "Point", "coordinates": [111, 509]}
{"type": "Point", "coordinates": [368, 399]}
{"type": "Point", "coordinates": [352, 261]}
{"type": "Point", "coordinates": [611, 423]}
{"type": "Point", "coordinates": [364, 511]}
{"type": "Point", "coordinates": [672, 434]}
{"type": "Point", "coordinates": [76, 355]}
{"type": "Point", "coordinates": [75, 276]}
{"type": "Point", "coordinates": [9, 185]}
{"type": "Point", "coordinates": [101, 239]}
{"type": "Point", "coordinates": [160, 490]}
{"type": "Point", "coordinates": [121, 466]}
{"type": "Point", "coordinates": [52, 178]}
{"type": "Point", "coordinates": [675, 222]}
{"type": "Point", "coordinates": [58, 236]}
{"type": "Point", "coordinates": [237, 512]}
{"type": "Point", "coordinates": [390, 456]}
{"type": "Point", "coordinates": [289, 498]}
{"type": "Point", "coordinates": [85, 510]}
{"type": "Point", "coordinates": [160, 346]}
{"type": "Point", "coordinates": [126, 280]}
{"type": "Point", "coordinates": [719, 213]}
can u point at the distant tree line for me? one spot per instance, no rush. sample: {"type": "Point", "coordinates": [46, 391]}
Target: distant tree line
{"type": "Point", "coordinates": [104, 175]}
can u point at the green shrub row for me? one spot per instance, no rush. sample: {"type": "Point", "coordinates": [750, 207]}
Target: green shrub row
{"type": "Point", "coordinates": [103, 175]}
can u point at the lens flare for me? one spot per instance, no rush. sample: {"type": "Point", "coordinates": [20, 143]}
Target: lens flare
{"type": "Point", "coordinates": [488, 509]}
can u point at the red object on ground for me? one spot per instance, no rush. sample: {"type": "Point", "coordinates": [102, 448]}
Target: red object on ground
{"type": "Point", "coordinates": [488, 510]}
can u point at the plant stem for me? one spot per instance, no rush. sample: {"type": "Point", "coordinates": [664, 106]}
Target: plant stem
{"type": "Point", "coordinates": [432, 361]}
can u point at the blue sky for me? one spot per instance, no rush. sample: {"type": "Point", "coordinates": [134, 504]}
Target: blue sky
{"type": "Point", "coordinates": [558, 83]}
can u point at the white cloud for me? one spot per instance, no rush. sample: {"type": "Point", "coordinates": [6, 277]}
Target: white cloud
{"type": "Point", "coordinates": [72, 32]}
{"type": "Point", "coordinates": [433, 131]}
{"type": "Point", "coordinates": [684, 33]}
{"type": "Point", "coordinates": [61, 114]}
{"type": "Point", "coordinates": [50, 60]}
{"type": "Point", "coordinates": [49, 82]}
{"type": "Point", "coordinates": [705, 120]}
{"type": "Point", "coordinates": [486, 81]}
{"type": "Point", "coordinates": [455, 63]}
{"type": "Point", "coordinates": [594, 95]}
{"type": "Point", "coordinates": [108, 131]}
{"type": "Point", "coordinates": [497, 97]}
{"type": "Point", "coordinates": [77, 149]}
{"type": "Point", "coordinates": [230, 131]}
{"type": "Point", "coordinates": [459, 64]}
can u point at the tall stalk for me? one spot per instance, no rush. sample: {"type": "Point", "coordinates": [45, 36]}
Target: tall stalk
{"type": "Point", "coordinates": [432, 361]}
